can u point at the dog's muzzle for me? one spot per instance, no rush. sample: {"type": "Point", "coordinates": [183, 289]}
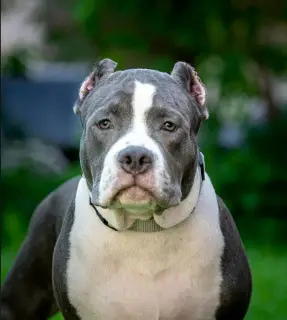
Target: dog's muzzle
{"type": "Point", "coordinates": [150, 225]}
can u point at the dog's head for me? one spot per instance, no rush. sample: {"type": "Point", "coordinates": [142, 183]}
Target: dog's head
{"type": "Point", "coordinates": [139, 148]}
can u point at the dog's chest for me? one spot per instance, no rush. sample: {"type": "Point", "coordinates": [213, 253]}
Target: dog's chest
{"type": "Point", "coordinates": [172, 274]}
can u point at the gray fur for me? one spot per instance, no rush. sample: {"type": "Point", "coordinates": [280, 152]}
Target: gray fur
{"type": "Point", "coordinates": [237, 283]}
{"type": "Point", "coordinates": [60, 261]}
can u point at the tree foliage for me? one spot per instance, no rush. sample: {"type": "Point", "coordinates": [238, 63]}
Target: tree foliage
{"type": "Point", "coordinates": [247, 36]}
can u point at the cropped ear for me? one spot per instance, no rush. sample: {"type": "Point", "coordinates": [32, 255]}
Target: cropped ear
{"type": "Point", "coordinates": [187, 77]}
{"type": "Point", "coordinates": [101, 71]}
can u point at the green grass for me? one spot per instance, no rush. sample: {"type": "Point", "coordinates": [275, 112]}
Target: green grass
{"type": "Point", "coordinates": [269, 300]}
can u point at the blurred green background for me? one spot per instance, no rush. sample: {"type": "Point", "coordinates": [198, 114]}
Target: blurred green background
{"type": "Point", "coordinates": [239, 49]}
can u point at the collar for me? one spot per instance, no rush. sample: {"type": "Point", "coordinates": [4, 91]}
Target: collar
{"type": "Point", "coordinates": [154, 223]}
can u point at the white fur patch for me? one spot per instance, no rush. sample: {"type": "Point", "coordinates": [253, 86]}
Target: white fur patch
{"type": "Point", "coordinates": [169, 275]}
{"type": "Point", "coordinates": [137, 135]}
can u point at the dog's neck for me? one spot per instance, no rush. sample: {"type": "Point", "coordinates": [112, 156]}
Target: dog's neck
{"type": "Point", "coordinates": [151, 221]}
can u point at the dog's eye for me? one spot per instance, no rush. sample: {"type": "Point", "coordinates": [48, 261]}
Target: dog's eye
{"type": "Point", "coordinates": [105, 124]}
{"type": "Point", "coordinates": [169, 126]}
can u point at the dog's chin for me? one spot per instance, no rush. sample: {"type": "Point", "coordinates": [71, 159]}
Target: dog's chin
{"type": "Point", "coordinates": [137, 199]}
{"type": "Point", "coordinates": [134, 200]}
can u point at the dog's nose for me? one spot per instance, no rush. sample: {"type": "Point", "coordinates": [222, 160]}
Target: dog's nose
{"type": "Point", "coordinates": [135, 160]}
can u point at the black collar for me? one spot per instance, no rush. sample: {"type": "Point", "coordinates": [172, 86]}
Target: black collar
{"type": "Point", "coordinates": [104, 221]}
{"type": "Point", "coordinates": [202, 171]}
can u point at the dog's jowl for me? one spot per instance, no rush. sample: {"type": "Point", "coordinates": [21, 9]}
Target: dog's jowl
{"type": "Point", "coordinates": [141, 235]}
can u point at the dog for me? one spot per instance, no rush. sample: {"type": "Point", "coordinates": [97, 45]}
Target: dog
{"type": "Point", "coordinates": [142, 234]}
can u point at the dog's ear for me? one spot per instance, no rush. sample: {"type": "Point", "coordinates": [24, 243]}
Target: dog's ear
{"type": "Point", "coordinates": [101, 71]}
{"type": "Point", "coordinates": [187, 77]}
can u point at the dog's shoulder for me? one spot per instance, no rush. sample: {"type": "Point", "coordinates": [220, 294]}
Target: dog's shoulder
{"type": "Point", "coordinates": [236, 283]}
{"type": "Point", "coordinates": [53, 208]}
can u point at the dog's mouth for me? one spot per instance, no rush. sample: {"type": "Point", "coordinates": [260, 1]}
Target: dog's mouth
{"type": "Point", "coordinates": [134, 194]}
{"type": "Point", "coordinates": [137, 198]}
{"type": "Point", "coordinates": [134, 199]}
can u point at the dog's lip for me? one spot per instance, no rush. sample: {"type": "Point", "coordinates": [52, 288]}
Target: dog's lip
{"type": "Point", "coordinates": [161, 206]}
{"type": "Point", "coordinates": [148, 190]}
{"type": "Point", "coordinates": [120, 190]}
{"type": "Point", "coordinates": [133, 186]}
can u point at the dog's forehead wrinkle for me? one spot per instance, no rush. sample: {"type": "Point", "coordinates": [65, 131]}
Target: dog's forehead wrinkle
{"type": "Point", "coordinates": [109, 98]}
{"type": "Point", "coordinates": [166, 105]}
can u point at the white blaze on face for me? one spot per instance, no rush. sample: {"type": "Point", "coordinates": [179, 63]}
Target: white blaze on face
{"type": "Point", "coordinates": [142, 102]}
{"type": "Point", "coordinates": [112, 177]}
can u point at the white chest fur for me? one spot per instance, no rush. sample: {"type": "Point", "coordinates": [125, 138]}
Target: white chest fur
{"type": "Point", "coordinates": [169, 275]}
